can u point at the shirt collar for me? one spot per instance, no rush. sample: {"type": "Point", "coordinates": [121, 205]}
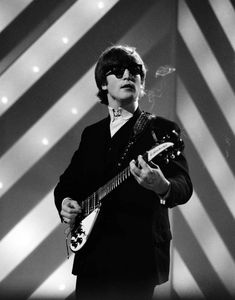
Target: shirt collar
{"type": "Point", "coordinates": [119, 113]}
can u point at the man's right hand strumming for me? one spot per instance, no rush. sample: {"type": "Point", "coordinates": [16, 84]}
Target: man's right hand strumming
{"type": "Point", "coordinates": [69, 210]}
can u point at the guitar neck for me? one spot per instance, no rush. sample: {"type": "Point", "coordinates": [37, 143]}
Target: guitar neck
{"type": "Point", "coordinates": [93, 201]}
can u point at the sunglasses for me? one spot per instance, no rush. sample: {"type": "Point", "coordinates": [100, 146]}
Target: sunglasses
{"type": "Point", "coordinates": [118, 71]}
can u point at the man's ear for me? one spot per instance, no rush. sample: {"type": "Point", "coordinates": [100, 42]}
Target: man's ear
{"type": "Point", "coordinates": [104, 85]}
{"type": "Point", "coordinates": [142, 91]}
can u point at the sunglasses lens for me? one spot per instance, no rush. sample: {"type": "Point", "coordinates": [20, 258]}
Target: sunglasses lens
{"type": "Point", "coordinates": [135, 70]}
{"type": "Point", "coordinates": [118, 71]}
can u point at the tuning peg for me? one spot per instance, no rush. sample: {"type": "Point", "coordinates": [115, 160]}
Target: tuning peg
{"type": "Point", "coordinates": [175, 132]}
{"type": "Point", "coordinates": [166, 160]}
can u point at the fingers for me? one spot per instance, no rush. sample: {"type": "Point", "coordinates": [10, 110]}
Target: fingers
{"type": "Point", "coordinates": [69, 210]}
{"type": "Point", "coordinates": [70, 206]}
{"type": "Point", "coordinates": [140, 167]}
{"type": "Point", "coordinates": [142, 163]}
{"type": "Point", "coordinates": [134, 169]}
{"type": "Point", "coordinates": [153, 165]}
{"type": "Point", "coordinates": [140, 170]}
{"type": "Point", "coordinates": [145, 175]}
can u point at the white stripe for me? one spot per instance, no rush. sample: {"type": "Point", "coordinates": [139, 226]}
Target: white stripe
{"type": "Point", "coordinates": [207, 63]}
{"type": "Point", "coordinates": [10, 9]}
{"type": "Point", "coordinates": [59, 285]}
{"type": "Point", "coordinates": [28, 234]}
{"type": "Point", "coordinates": [49, 48]}
{"type": "Point", "coordinates": [206, 146]}
{"type": "Point", "coordinates": [210, 242]}
{"type": "Point", "coordinates": [225, 13]}
{"type": "Point", "coordinates": [183, 282]}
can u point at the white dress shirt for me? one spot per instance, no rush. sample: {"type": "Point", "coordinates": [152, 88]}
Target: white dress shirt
{"type": "Point", "coordinates": [118, 117]}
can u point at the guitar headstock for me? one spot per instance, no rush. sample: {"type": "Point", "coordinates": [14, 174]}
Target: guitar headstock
{"type": "Point", "coordinates": [167, 148]}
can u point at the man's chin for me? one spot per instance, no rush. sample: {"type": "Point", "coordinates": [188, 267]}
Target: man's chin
{"type": "Point", "coordinates": [128, 96]}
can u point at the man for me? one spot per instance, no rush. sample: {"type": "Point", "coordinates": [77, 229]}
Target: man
{"type": "Point", "coordinates": [127, 252]}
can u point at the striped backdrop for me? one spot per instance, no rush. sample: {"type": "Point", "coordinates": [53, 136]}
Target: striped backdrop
{"type": "Point", "coordinates": [47, 95]}
{"type": "Point", "coordinates": [204, 244]}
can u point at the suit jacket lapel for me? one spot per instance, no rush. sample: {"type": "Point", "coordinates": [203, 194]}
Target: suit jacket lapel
{"type": "Point", "coordinates": [118, 143]}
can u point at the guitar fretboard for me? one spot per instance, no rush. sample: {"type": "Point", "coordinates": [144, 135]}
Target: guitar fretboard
{"type": "Point", "coordinates": [93, 201]}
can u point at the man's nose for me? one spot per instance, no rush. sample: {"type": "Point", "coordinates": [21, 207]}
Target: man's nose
{"type": "Point", "coordinates": [127, 74]}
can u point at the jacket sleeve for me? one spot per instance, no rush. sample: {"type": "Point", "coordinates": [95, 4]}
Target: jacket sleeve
{"type": "Point", "coordinates": [70, 182]}
{"type": "Point", "coordinates": [181, 188]}
{"type": "Point", "coordinates": [177, 172]}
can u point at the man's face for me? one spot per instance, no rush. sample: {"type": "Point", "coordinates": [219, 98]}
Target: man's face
{"type": "Point", "coordinates": [123, 83]}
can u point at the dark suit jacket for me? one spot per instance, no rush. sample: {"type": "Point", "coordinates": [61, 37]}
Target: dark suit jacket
{"type": "Point", "coordinates": [131, 237]}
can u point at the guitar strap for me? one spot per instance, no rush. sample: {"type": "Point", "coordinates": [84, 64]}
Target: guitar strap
{"type": "Point", "coordinates": [141, 124]}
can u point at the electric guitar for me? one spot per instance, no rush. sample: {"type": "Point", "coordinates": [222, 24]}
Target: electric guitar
{"type": "Point", "coordinates": [167, 149]}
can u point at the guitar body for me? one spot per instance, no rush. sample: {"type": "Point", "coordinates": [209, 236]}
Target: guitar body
{"type": "Point", "coordinates": [82, 232]}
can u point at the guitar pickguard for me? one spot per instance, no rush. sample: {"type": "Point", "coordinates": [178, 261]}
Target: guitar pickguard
{"type": "Point", "coordinates": [81, 233]}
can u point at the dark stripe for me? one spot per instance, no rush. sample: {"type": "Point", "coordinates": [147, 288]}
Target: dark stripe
{"type": "Point", "coordinates": [233, 3]}
{"type": "Point", "coordinates": [36, 267]}
{"type": "Point", "coordinates": [72, 296]}
{"type": "Point", "coordinates": [27, 28]}
{"type": "Point", "coordinates": [174, 295]}
{"type": "Point", "coordinates": [196, 260]}
{"type": "Point", "coordinates": [215, 37]}
{"type": "Point", "coordinates": [206, 103]}
{"type": "Point", "coordinates": [62, 76]}
{"type": "Point", "coordinates": [210, 197]}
